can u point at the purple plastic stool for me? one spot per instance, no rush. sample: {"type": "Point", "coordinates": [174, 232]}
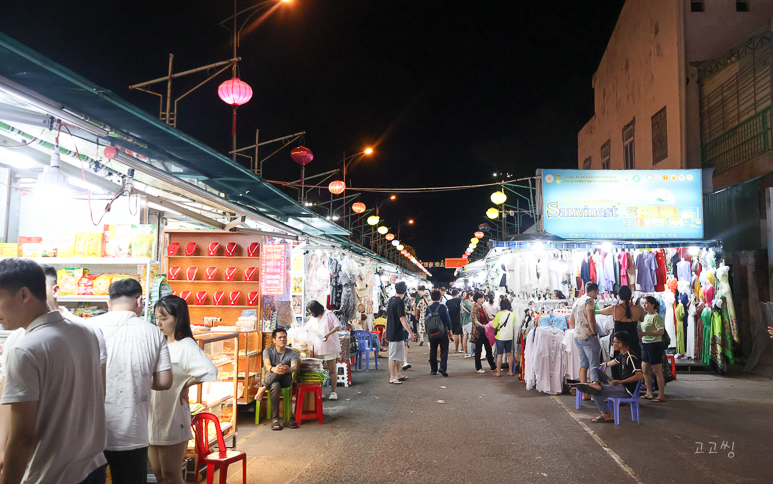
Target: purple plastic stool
{"type": "Point", "coordinates": [579, 398]}
{"type": "Point", "coordinates": [364, 348]}
{"type": "Point", "coordinates": [633, 401]}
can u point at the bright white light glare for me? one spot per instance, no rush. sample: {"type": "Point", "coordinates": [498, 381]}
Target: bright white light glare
{"type": "Point", "coordinates": [693, 251]}
{"type": "Point", "coordinates": [16, 159]}
{"type": "Point", "coordinates": [335, 217]}
{"type": "Point", "coordinates": [538, 247]}
{"type": "Point", "coordinates": [80, 183]}
{"type": "Point", "coordinates": [606, 246]}
{"type": "Point", "coordinates": [328, 217]}
{"type": "Point", "coordinates": [162, 208]}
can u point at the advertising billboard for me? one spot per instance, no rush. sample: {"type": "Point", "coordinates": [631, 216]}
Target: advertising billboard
{"type": "Point", "coordinates": [623, 204]}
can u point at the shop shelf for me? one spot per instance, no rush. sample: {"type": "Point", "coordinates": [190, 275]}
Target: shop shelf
{"type": "Point", "coordinates": [104, 298]}
{"type": "Point", "coordinates": [218, 401]}
{"type": "Point", "coordinates": [225, 363]}
{"type": "Point", "coordinates": [105, 261]}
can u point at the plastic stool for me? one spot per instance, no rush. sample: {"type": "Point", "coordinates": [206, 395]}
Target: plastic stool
{"type": "Point", "coordinates": [344, 377]}
{"type": "Point", "coordinates": [673, 364]}
{"type": "Point", "coordinates": [287, 401]}
{"type": "Point", "coordinates": [303, 389]}
{"type": "Point", "coordinates": [578, 403]}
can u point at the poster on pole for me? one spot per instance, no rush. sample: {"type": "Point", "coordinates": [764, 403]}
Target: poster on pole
{"type": "Point", "coordinates": [273, 272]}
{"type": "Point", "coordinates": [453, 263]}
{"type": "Point", "coordinates": [623, 204]}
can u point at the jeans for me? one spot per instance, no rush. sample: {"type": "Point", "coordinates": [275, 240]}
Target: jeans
{"type": "Point", "coordinates": [128, 466]}
{"type": "Point", "coordinates": [589, 355]}
{"type": "Point", "coordinates": [480, 343]}
{"type": "Point", "coordinates": [374, 342]}
{"type": "Point", "coordinates": [435, 342]}
{"type": "Point", "coordinates": [608, 391]}
{"type": "Point", "coordinates": [275, 383]}
{"type": "Point", "coordinates": [97, 476]}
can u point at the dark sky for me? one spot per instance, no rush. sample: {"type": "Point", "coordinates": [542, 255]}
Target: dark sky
{"type": "Point", "coordinates": [450, 91]}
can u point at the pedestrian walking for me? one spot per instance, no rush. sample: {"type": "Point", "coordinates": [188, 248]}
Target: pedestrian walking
{"type": "Point", "coordinates": [169, 423]}
{"type": "Point", "coordinates": [421, 310]}
{"type": "Point", "coordinates": [137, 361]}
{"type": "Point", "coordinates": [479, 322]}
{"type": "Point", "coordinates": [454, 311]}
{"type": "Point", "coordinates": [396, 324]}
{"type": "Point", "coordinates": [652, 349]}
{"type": "Point", "coordinates": [465, 311]}
{"type": "Point", "coordinates": [504, 324]}
{"type": "Point", "coordinates": [437, 322]}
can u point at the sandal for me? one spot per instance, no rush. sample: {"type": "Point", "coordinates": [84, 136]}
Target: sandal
{"type": "Point", "coordinates": [276, 425]}
{"type": "Point", "coordinates": [395, 383]}
{"type": "Point", "coordinates": [648, 397]}
{"type": "Point", "coordinates": [403, 378]}
{"type": "Point", "coordinates": [657, 400]}
{"type": "Point", "coordinates": [601, 419]}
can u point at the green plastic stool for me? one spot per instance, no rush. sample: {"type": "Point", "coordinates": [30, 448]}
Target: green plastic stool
{"type": "Point", "coordinates": [286, 400]}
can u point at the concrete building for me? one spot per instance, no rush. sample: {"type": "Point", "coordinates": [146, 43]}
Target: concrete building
{"type": "Point", "coordinates": [648, 84]}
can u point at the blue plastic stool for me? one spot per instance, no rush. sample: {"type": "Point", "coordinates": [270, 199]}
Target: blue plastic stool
{"type": "Point", "coordinates": [633, 401]}
{"type": "Point", "coordinates": [287, 401]}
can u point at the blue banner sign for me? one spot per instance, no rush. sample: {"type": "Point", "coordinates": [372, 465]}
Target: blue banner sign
{"type": "Point", "coordinates": [623, 204]}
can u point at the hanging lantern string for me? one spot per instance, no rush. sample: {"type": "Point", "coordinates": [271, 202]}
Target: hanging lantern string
{"type": "Point", "coordinates": [439, 189]}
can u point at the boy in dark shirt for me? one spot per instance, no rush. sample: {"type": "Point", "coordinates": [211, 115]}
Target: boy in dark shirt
{"type": "Point", "coordinates": [630, 373]}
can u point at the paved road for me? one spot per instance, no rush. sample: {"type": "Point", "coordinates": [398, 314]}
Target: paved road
{"type": "Point", "coordinates": [493, 430]}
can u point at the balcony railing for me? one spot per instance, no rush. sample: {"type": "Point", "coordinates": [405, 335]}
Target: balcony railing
{"type": "Point", "coordinates": [747, 140]}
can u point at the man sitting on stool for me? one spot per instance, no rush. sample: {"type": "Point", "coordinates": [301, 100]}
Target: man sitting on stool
{"type": "Point", "coordinates": [280, 362]}
{"type": "Point", "coordinates": [630, 372]}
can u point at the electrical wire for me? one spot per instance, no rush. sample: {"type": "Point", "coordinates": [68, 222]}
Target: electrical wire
{"type": "Point", "coordinates": [27, 143]}
{"type": "Point", "coordinates": [437, 189]}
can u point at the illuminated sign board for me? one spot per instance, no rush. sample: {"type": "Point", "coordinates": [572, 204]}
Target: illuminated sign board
{"type": "Point", "coordinates": [273, 270]}
{"type": "Point", "coordinates": [623, 204]}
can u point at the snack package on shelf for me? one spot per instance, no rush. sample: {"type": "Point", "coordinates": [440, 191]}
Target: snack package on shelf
{"type": "Point", "coordinates": [68, 278]}
{"type": "Point", "coordinates": [116, 240]}
{"type": "Point", "coordinates": [66, 246]}
{"type": "Point", "coordinates": [86, 285]}
{"type": "Point", "coordinates": [9, 250]}
{"type": "Point", "coordinates": [85, 311]}
{"type": "Point", "coordinates": [102, 284]}
{"type": "Point", "coordinates": [88, 244]}
{"type": "Point", "coordinates": [32, 245]}
{"type": "Point", "coordinates": [143, 240]}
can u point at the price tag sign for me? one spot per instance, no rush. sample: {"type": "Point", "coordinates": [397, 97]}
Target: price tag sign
{"type": "Point", "coordinates": [273, 272]}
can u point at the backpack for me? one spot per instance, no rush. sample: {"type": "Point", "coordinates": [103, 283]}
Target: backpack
{"type": "Point", "coordinates": [434, 325]}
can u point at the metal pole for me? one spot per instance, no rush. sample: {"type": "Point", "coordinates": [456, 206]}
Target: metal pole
{"type": "Point", "coordinates": [233, 135]}
{"type": "Point", "coordinates": [259, 169]}
{"type": "Point", "coordinates": [169, 89]}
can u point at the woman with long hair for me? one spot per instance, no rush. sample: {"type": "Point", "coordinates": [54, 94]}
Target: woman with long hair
{"type": "Point", "coordinates": [466, 317]}
{"type": "Point", "coordinates": [169, 422]}
{"type": "Point", "coordinates": [325, 343]}
{"type": "Point", "coordinates": [652, 350]}
{"type": "Point", "coordinates": [627, 317]}
{"type": "Point", "coordinates": [479, 321]}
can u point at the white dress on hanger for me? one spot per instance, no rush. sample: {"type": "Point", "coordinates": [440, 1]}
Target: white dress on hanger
{"type": "Point", "coordinates": [514, 274]}
{"type": "Point", "coordinates": [543, 281]}
{"type": "Point", "coordinates": [601, 280]}
{"type": "Point", "coordinates": [690, 353]}
{"type": "Point", "coordinates": [669, 320]}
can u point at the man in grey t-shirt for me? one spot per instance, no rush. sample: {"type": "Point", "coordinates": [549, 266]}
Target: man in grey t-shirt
{"type": "Point", "coordinates": [280, 362]}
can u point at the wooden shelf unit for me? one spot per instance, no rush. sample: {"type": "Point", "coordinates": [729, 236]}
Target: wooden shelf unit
{"type": "Point", "coordinates": [251, 341]}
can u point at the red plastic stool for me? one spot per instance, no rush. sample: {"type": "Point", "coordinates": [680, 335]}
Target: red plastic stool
{"type": "Point", "coordinates": [303, 389]}
{"type": "Point", "coordinates": [673, 364]}
{"type": "Point", "coordinates": [348, 371]}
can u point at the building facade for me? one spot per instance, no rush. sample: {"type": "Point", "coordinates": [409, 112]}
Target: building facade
{"type": "Point", "coordinates": [650, 87]}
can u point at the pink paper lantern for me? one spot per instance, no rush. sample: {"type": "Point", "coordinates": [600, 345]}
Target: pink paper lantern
{"type": "Point", "coordinates": [302, 155]}
{"type": "Point", "coordinates": [235, 92]}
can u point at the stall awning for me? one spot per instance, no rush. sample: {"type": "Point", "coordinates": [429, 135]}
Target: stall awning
{"type": "Point", "coordinates": [149, 140]}
{"type": "Point", "coordinates": [592, 244]}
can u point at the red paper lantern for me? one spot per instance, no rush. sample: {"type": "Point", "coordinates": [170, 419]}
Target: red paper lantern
{"type": "Point", "coordinates": [235, 92]}
{"type": "Point", "coordinates": [302, 155]}
{"type": "Point", "coordinates": [479, 235]}
{"type": "Point", "coordinates": [110, 152]}
{"type": "Point", "coordinates": [336, 187]}
{"type": "Point", "coordinates": [359, 207]}
{"type": "Point", "coordinates": [388, 236]}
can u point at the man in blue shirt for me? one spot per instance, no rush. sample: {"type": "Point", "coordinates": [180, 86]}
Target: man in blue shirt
{"type": "Point", "coordinates": [438, 336]}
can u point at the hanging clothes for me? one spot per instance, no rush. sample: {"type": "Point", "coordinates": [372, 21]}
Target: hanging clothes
{"type": "Point", "coordinates": [691, 336]}
{"type": "Point", "coordinates": [631, 268]}
{"type": "Point", "coordinates": [616, 264]}
{"type": "Point", "coordinates": [723, 289]}
{"type": "Point", "coordinates": [548, 360]}
{"type": "Point", "coordinates": [609, 271]}
{"type": "Point", "coordinates": [348, 302]}
{"type": "Point", "coordinates": [593, 275]}
{"type": "Point", "coordinates": [683, 272]}
{"type": "Point", "coordinates": [645, 267]}
{"type": "Point", "coordinates": [543, 276]}
{"type": "Point", "coordinates": [623, 261]}
{"type": "Point", "coordinates": [660, 271]}
{"type": "Point", "coordinates": [718, 350]}
{"type": "Point", "coordinates": [706, 318]}
{"type": "Point", "coordinates": [585, 271]}
{"type": "Point", "coordinates": [600, 277]}
{"type": "Point", "coordinates": [708, 294]}
{"type": "Point", "coordinates": [679, 314]}
{"type": "Point", "coordinates": [668, 320]}
{"type": "Point", "coordinates": [335, 282]}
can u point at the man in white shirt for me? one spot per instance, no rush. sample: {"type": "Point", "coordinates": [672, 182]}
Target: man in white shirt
{"type": "Point", "coordinates": [138, 361]}
{"type": "Point", "coordinates": [54, 387]}
{"type": "Point", "coordinates": [444, 298]}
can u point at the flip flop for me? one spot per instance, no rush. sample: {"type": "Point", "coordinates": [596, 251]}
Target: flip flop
{"type": "Point", "coordinates": [657, 400]}
{"type": "Point", "coordinates": [403, 378]}
{"type": "Point", "coordinates": [601, 419]}
{"type": "Point", "coordinates": [395, 383]}
{"type": "Point", "coordinates": [647, 398]}
{"type": "Point", "coordinates": [587, 389]}
{"type": "Point", "coordinates": [276, 426]}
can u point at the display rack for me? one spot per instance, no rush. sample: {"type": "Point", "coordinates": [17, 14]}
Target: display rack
{"type": "Point", "coordinates": [104, 265]}
{"type": "Point", "coordinates": [249, 361]}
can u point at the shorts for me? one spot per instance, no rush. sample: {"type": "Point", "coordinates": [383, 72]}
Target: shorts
{"type": "Point", "coordinates": [652, 353]}
{"type": "Point", "coordinates": [467, 328]}
{"type": "Point", "coordinates": [504, 347]}
{"type": "Point", "coordinates": [397, 351]}
{"type": "Point", "coordinates": [456, 328]}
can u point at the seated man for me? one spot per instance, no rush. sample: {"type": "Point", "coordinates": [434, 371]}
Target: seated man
{"type": "Point", "coordinates": [279, 362]}
{"type": "Point", "coordinates": [630, 373]}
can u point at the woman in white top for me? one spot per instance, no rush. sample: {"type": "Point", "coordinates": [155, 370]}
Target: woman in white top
{"type": "Point", "coordinates": [169, 425]}
{"type": "Point", "coordinates": [491, 308]}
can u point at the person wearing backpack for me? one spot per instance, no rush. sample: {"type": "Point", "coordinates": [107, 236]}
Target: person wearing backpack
{"type": "Point", "coordinates": [437, 323]}
{"type": "Point", "coordinates": [504, 324]}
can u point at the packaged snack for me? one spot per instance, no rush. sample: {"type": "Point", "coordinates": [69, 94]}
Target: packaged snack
{"type": "Point", "coordinates": [143, 241]}
{"type": "Point", "coordinates": [88, 244]}
{"type": "Point", "coordinates": [86, 285]}
{"type": "Point", "coordinates": [102, 284]}
{"type": "Point", "coordinates": [68, 278]}
{"type": "Point", "coordinates": [116, 241]}
{"type": "Point", "coordinates": [32, 250]}
{"type": "Point", "coordinates": [66, 246]}
{"type": "Point", "coordinates": [9, 250]}
{"type": "Point", "coordinates": [23, 241]}
{"type": "Point", "coordinates": [50, 244]}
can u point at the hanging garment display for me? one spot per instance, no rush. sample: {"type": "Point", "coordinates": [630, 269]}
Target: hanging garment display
{"type": "Point", "coordinates": [585, 271]}
{"type": "Point", "coordinates": [660, 270]}
{"type": "Point", "coordinates": [601, 279]}
{"type": "Point", "coordinates": [668, 302]}
{"type": "Point", "coordinates": [609, 271]}
{"type": "Point", "coordinates": [335, 282]}
{"type": "Point", "coordinates": [723, 289]}
{"type": "Point", "coordinates": [645, 267]}
{"type": "Point", "coordinates": [681, 347]}
{"type": "Point", "coordinates": [691, 335]}
{"type": "Point", "coordinates": [706, 319]}
{"type": "Point", "coordinates": [631, 268]}
{"type": "Point", "coordinates": [348, 302]}
{"type": "Point", "coordinates": [623, 261]}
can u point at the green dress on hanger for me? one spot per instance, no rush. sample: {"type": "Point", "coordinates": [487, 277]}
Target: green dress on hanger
{"type": "Point", "coordinates": [706, 318]}
{"type": "Point", "coordinates": [681, 348]}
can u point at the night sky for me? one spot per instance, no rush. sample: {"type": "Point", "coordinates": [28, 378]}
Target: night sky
{"type": "Point", "coordinates": [448, 92]}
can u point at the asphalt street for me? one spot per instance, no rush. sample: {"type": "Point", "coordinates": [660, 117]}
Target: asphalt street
{"type": "Point", "coordinates": [493, 430]}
